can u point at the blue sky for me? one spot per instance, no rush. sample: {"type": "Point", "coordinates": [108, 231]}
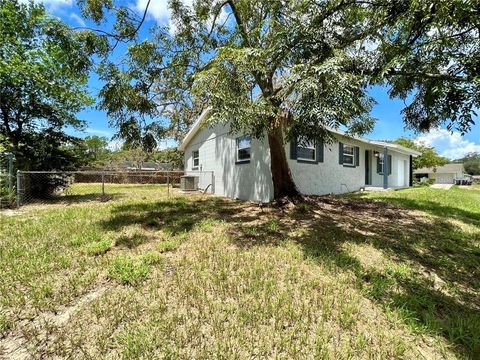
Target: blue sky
{"type": "Point", "coordinates": [388, 112]}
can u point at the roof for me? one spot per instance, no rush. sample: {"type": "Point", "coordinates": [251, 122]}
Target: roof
{"type": "Point", "coordinates": [194, 129]}
{"type": "Point", "coordinates": [392, 146]}
{"type": "Point", "coordinates": [452, 168]}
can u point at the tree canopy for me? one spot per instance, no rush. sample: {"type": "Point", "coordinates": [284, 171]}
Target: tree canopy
{"type": "Point", "coordinates": [471, 163]}
{"type": "Point", "coordinates": [297, 68]}
{"type": "Point", "coordinates": [44, 68]}
{"type": "Point", "coordinates": [280, 69]}
{"type": "Point", "coordinates": [429, 157]}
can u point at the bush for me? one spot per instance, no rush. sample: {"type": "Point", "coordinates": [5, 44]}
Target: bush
{"type": "Point", "coordinates": [424, 183]}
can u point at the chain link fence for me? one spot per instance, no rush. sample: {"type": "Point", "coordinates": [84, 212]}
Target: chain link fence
{"type": "Point", "coordinates": [77, 186]}
{"type": "Point", "coordinates": [7, 180]}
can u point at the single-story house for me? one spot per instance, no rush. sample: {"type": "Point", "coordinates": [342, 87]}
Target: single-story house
{"type": "Point", "coordinates": [240, 164]}
{"type": "Point", "coordinates": [446, 174]}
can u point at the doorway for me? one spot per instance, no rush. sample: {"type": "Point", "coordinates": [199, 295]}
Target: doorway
{"type": "Point", "coordinates": [368, 167]}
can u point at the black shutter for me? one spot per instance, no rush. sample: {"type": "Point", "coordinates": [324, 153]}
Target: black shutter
{"type": "Point", "coordinates": [410, 172]}
{"type": "Point", "coordinates": [340, 153]}
{"type": "Point", "coordinates": [293, 149]}
{"type": "Point", "coordinates": [357, 156]}
{"type": "Point", "coordinates": [389, 164]}
{"type": "Point", "coordinates": [319, 151]}
{"type": "Point", "coordinates": [379, 165]}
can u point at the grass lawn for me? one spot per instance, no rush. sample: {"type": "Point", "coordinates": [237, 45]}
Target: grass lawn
{"type": "Point", "coordinates": [374, 275]}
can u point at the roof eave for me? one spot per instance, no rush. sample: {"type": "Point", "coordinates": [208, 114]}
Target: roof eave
{"type": "Point", "coordinates": [193, 131]}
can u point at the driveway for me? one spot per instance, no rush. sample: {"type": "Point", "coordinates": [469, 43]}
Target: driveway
{"type": "Point", "coordinates": [442, 186]}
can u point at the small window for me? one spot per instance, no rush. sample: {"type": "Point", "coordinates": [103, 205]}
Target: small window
{"type": "Point", "coordinates": [196, 159]}
{"type": "Point", "coordinates": [243, 148]}
{"type": "Point", "coordinates": [306, 151]}
{"type": "Point", "coordinates": [381, 164]}
{"type": "Point", "coordinates": [348, 155]}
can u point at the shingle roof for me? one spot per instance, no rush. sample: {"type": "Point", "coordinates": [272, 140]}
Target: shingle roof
{"type": "Point", "coordinates": [198, 124]}
{"type": "Point", "coordinates": [445, 169]}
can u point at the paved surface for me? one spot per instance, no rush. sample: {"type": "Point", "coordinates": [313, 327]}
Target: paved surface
{"type": "Point", "coordinates": [442, 186]}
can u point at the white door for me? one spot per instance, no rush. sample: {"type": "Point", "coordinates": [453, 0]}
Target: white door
{"type": "Point", "coordinates": [401, 173]}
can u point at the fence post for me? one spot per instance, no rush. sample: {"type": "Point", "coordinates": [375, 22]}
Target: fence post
{"type": "Point", "coordinates": [103, 183]}
{"type": "Point", "coordinates": [10, 173]}
{"type": "Point", "coordinates": [19, 188]}
{"type": "Point", "coordinates": [168, 184]}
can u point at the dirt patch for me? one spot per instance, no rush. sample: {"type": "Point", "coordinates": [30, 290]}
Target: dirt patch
{"type": "Point", "coordinates": [16, 345]}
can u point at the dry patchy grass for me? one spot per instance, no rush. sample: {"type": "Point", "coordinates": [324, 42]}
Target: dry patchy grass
{"type": "Point", "coordinates": [205, 277]}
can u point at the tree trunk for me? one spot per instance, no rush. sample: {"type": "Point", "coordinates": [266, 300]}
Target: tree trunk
{"type": "Point", "coordinates": [283, 185]}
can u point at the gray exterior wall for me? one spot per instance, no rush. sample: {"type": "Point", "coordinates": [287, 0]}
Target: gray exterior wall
{"type": "Point", "coordinates": [217, 153]}
{"type": "Point", "coordinates": [252, 181]}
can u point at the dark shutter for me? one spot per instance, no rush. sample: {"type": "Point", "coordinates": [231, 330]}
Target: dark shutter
{"type": "Point", "coordinates": [340, 153]}
{"type": "Point", "coordinates": [293, 149]}
{"type": "Point", "coordinates": [319, 151]}
{"type": "Point", "coordinates": [410, 172]}
{"type": "Point", "coordinates": [357, 156]}
{"type": "Point", "coordinates": [379, 165]}
{"type": "Point", "coordinates": [389, 164]}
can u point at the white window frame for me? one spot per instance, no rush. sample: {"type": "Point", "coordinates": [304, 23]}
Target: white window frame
{"type": "Point", "coordinates": [352, 155]}
{"type": "Point", "coordinates": [237, 148]}
{"type": "Point", "coordinates": [195, 158]}
{"type": "Point", "coordinates": [310, 145]}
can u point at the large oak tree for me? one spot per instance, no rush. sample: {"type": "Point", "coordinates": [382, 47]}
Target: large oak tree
{"type": "Point", "coordinates": [294, 69]}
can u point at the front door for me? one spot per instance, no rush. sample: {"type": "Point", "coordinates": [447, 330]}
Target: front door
{"type": "Point", "coordinates": [368, 167]}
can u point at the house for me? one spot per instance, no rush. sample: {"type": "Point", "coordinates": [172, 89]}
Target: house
{"type": "Point", "coordinates": [446, 174]}
{"type": "Point", "coordinates": [240, 165]}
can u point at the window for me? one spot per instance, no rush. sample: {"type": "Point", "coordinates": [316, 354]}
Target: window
{"type": "Point", "coordinates": [380, 164]}
{"type": "Point", "coordinates": [243, 148]}
{"type": "Point", "coordinates": [348, 155]}
{"type": "Point", "coordinates": [306, 151]}
{"type": "Point", "coordinates": [196, 159]}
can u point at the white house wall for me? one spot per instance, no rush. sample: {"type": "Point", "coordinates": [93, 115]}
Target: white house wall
{"type": "Point", "coordinates": [217, 153]}
{"type": "Point", "coordinates": [377, 179]}
{"type": "Point", "coordinates": [329, 176]}
{"type": "Point", "coordinates": [252, 181]}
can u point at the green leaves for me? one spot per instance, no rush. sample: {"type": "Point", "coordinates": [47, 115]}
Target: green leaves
{"type": "Point", "coordinates": [429, 157]}
{"type": "Point", "coordinates": [431, 55]}
{"type": "Point", "coordinates": [43, 75]}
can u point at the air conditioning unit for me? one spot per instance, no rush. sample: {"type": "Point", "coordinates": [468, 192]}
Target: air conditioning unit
{"type": "Point", "coordinates": [189, 183]}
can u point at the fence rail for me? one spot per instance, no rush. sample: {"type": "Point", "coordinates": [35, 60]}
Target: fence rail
{"type": "Point", "coordinates": [48, 186]}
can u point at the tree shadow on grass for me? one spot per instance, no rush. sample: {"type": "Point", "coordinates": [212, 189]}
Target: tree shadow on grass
{"type": "Point", "coordinates": [432, 207]}
{"type": "Point", "coordinates": [71, 199]}
{"type": "Point", "coordinates": [440, 296]}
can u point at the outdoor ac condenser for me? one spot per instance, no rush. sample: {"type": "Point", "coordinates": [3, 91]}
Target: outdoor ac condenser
{"type": "Point", "coordinates": [189, 183]}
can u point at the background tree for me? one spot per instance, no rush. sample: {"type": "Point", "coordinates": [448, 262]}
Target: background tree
{"type": "Point", "coordinates": [44, 67]}
{"type": "Point", "coordinates": [429, 157]}
{"type": "Point", "coordinates": [171, 156]}
{"type": "Point", "coordinates": [471, 162]}
{"type": "Point", "coordinates": [96, 146]}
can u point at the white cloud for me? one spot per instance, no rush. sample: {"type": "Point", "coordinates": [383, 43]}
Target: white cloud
{"type": "Point", "coordinates": [157, 9]}
{"type": "Point", "coordinates": [52, 4]}
{"type": "Point", "coordinates": [77, 19]}
{"type": "Point", "coordinates": [160, 11]}
{"type": "Point", "coordinates": [451, 145]}
{"type": "Point", "coordinates": [98, 132]}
